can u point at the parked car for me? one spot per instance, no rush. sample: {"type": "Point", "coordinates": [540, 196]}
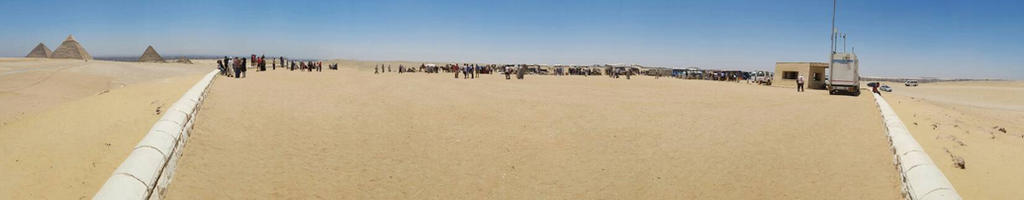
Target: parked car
{"type": "Point", "coordinates": [910, 83]}
{"type": "Point", "coordinates": [872, 84]}
{"type": "Point", "coordinates": [885, 88]}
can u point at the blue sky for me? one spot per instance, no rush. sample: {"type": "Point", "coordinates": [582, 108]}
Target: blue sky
{"type": "Point", "coordinates": [941, 38]}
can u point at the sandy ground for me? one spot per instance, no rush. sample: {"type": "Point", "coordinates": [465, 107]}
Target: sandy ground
{"type": "Point", "coordinates": [32, 85]}
{"type": "Point", "coordinates": [68, 124]}
{"type": "Point", "coordinates": [963, 120]}
{"type": "Point", "coordinates": [354, 135]}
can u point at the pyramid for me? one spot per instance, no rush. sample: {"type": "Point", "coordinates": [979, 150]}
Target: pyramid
{"type": "Point", "coordinates": [150, 55]}
{"type": "Point", "coordinates": [71, 49]}
{"type": "Point", "coordinates": [183, 59]}
{"type": "Point", "coordinates": [41, 51]}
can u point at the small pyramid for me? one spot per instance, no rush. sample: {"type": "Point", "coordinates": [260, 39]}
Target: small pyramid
{"type": "Point", "coordinates": [41, 51]}
{"type": "Point", "coordinates": [71, 49]}
{"type": "Point", "coordinates": [183, 59]}
{"type": "Point", "coordinates": [150, 55]}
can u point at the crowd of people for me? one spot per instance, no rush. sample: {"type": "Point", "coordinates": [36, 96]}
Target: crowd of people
{"type": "Point", "coordinates": [468, 71]}
{"type": "Point", "coordinates": [236, 67]}
{"type": "Point", "coordinates": [472, 71]}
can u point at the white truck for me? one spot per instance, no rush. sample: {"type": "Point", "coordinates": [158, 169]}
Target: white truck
{"type": "Point", "coordinates": [762, 78]}
{"type": "Point", "coordinates": [844, 76]}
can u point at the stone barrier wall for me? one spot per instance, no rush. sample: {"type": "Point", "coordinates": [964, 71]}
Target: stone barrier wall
{"type": "Point", "coordinates": [147, 171]}
{"type": "Point", "coordinates": [921, 179]}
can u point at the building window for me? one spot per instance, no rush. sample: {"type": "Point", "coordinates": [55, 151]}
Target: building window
{"type": "Point", "coordinates": [789, 74]}
{"type": "Point", "coordinates": [817, 76]}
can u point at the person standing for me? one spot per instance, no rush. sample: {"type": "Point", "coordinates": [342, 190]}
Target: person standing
{"type": "Point", "coordinates": [455, 68]}
{"type": "Point", "coordinates": [800, 83]}
{"type": "Point", "coordinates": [520, 72]}
{"type": "Point", "coordinates": [237, 65]}
{"type": "Point", "coordinates": [263, 63]}
{"type": "Point", "coordinates": [220, 67]}
{"type": "Point", "coordinates": [465, 71]}
{"type": "Point", "coordinates": [244, 68]}
{"type": "Point", "coordinates": [232, 65]}
{"type": "Point", "coordinates": [227, 66]}
{"type": "Point", "coordinates": [508, 72]}
{"type": "Point", "coordinates": [259, 65]}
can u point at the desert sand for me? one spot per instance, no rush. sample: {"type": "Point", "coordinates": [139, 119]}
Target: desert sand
{"type": "Point", "coordinates": [29, 85]}
{"type": "Point", "coordinates": [966, 121]}
{"type": "Point", "coordinates": [68, 123]}
{"type": "Point", "coordinates": [351, 134]}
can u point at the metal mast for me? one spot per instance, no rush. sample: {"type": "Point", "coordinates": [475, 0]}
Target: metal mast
{"type": "Point", "coordinates": [832, 42]}
{"type": "Point", "coordinates": [832, 49]}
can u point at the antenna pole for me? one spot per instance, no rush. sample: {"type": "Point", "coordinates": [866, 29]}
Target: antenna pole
{"type": "Point", "coordinates": [832, 42]}
{"type": "Point", "coordinates": [844, 42]}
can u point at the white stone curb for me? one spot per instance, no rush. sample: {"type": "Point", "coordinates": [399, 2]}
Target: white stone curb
{"type": "Point", "coordinates": [921, 179]}
{"type": "Point", "coordinates": [148, 169]}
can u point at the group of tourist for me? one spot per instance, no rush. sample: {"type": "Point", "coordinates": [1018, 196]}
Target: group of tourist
{"type": "Point", "coordinates": [468, 71]}
{"type": "Point", "coordinates": [236, 67]}
{"type": "Point", "coordinates": [308, 66]}
{"type": "Point", "coordinates": [575, 71]}
{"type": "Point", "coordinates": [233, 67]}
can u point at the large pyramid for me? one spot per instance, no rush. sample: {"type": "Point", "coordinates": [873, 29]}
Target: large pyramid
{"type": "Point", "coordinates": [71, 49]}
{"type": "Point", "coordinates": [41, 51]}
{"type": "Point", "coordinates": [150, 55]}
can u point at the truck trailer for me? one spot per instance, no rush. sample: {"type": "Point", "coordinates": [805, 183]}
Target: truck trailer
{"type": "Point", "coordinates": [844, 76]}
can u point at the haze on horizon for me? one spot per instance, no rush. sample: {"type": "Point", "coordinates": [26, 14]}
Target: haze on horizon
{"type": "Point", "coordinates": [951, 39]}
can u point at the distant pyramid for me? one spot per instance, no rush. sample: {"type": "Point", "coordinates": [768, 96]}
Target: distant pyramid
{"type": "Point", "coordinates": [183, 59]}
{"type": "Point", "coordinates": [150, 55]}
{"type": "Point", "coordinates": [41, 51]}
{"type": "Point", "coordinates": [71, 49]}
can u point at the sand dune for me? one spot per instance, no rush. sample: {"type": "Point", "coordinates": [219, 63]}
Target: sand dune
{"type": "Point", "coordinates": [966, 121]}
{"type": "Point", "coordinates": [67, 124]}
{"type": "Point", "coordinates": [354, 135]}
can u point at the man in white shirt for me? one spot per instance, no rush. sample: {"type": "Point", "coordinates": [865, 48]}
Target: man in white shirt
{"type": "Point", "coordinates": [800, 83]}
{"type": "Point", "coordinates": [508, 72]}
